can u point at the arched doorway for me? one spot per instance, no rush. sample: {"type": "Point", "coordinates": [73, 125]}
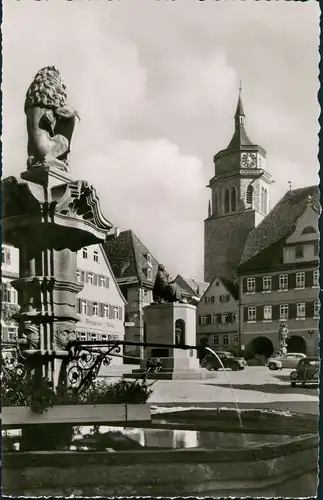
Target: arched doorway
{"type": "Point", "coordinates": [260, 346]}
{"type": "Point", "coordinates": [296, 344]}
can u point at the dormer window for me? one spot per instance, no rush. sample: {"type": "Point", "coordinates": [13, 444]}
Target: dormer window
{"type": "Point", "coordinates": [148, 257]}
{"type": "Point", "coordinates": [309, 230]}
{"type": "Point", "coordinates": [149, 274]}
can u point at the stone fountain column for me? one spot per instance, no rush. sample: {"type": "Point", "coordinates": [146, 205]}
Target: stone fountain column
{"type": "Point", "coordinates": [49, 217]}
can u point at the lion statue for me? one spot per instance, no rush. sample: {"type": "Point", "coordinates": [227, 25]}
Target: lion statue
{"type": "Point", "coordinates": [50, 122]}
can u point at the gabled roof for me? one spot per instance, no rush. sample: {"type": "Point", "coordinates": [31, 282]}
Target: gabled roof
{"type": "Point", "coordinates": [191, 285]}
{"type": "Point", "coordinates": [111, 272]}
{"type": "Point", "coordinates": [128, 258]}
{"type": "Point", "coordinates": [280, 221]}
{"type": "Point", "coordinates": [230, 285]}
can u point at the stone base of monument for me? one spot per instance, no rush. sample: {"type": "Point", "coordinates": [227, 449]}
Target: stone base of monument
{"type": "Point", "coordinates": [175, 324]}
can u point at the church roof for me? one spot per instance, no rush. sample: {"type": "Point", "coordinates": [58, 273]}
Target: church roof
{"type": "Point", "coordinates": [128, 258]}
{"type": "Point", "coordinates": [279, 222]}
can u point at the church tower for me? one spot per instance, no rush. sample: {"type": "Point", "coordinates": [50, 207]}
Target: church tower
{"type": "Point", "coordinates": [239, 201]}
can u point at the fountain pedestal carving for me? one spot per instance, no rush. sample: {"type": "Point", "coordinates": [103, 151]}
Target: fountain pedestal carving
{"type": "Point", "coordinates": [49, 217]}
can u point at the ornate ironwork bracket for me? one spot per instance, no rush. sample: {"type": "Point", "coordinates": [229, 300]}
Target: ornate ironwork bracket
{"type": "Point", "coordinates": [86, 361]}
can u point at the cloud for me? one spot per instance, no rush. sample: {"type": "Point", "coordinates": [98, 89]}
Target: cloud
{"type": "Point", "coordinates": [150, 187]}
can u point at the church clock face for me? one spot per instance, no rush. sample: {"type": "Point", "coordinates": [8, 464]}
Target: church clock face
{"type": "Point", "coordinates": [248, 160]}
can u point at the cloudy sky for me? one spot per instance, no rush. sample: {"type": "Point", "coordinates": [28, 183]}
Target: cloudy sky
{"type": "Point", "coordinates": [156, 86]}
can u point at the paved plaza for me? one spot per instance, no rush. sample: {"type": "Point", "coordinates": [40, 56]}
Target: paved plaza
{"type": "Point", "coordinates": [253, 387]}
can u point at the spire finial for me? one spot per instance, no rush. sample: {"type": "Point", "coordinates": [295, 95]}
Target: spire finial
{"type": "Point", "coordinates": [290, 185]}
{"type": "Point", "coordinates": [240, 87]}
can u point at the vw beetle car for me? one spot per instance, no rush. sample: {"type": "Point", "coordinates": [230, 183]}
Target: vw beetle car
{"type": "Point", "coordinates": [306, 373]}
{"type": "Point", "coordinates": [211, 362]}
{"type": "Point", "coordinates": [290, 360]}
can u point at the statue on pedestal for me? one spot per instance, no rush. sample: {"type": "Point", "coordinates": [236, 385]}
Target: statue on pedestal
{"type": "Point", "coordinates": [283, 336]}
{"type": "Point", "coordinates": [165, 289]}
{"type": "Point", "coordinates": [50, 122]}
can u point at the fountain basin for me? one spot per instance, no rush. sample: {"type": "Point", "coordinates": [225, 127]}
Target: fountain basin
{"type": "Point", "coordinates": [175, 455]}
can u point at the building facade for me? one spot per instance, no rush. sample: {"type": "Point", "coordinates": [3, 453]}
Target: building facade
{"type": "Point", "coordinates": [101, 304]}
{"type": "Point", "coordinates": [191, 289]}
{"type": "Point", "coordinates": [240, 200]}
{"type": "Point", "coordinates": [135, 269]}
{"type": "Point", "coordinates": [217, 316]}
{"type": "Point", "coordinates": [9, 296]}
{"type": "Point", "coordinates": [279, 277]}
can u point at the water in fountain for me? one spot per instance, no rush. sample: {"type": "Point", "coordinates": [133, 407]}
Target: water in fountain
{"type": "Point", "coordinates": [232, 390]}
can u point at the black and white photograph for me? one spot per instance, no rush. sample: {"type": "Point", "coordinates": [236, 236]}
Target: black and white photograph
{"type": "Point", "coordinates": [160, 276]}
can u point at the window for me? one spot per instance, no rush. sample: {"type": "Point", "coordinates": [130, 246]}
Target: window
{"type": "Point", "coordinates": [214, 319]}
{"type": "Point", "coordinates": [251, 285]}
{"type": "Point", "coordinates": [224, 298]}
{"type": "Point", "coordinates": [309, 230]}
{"type": "Point", "coordinates": [102, 281]}
{"type": "Point", "coordinates": [96, 256]}
{"type": "Point", "coordinates": [265, 201]}
{"type": "Point", "coordinates": [267, 313]}
{"type": "Point", "coordinates": [301, 310]}
{"type": "Point", "coordinates": [215, 340]}
{"type": "Point", "coordinates": [78, 275]}
{"type": "Point", "coordinates": [300, 280]}
{"type": "Point", "coordinates": [95, 309]}
{"type": "Point", "coordinates": [262, 199]}
{"type": "Point", "coordinates": [235, 340]}
{"type": "Point", "coordinates": [83, 307]}
{"type": "Point", "coordinates": [148, 258]}
{"type": "Point", "coordinates": [9, 294]}
{"type": "Point", "coordinates": [316, 275]}
{"type": "Point", "coordinates": [12, 333]}
{"type": "Point", "coordinates": [225, 318]}
{"type": "Point", "coordinates": [225, 340]}
{"type": "Point", "coordinates": [283, 311]}
{"type": "Point", "coordinates": [83, 336]}
{"type": "Point", "coordinates": [266, 283]}
{"type": "Point", "coordinates": [84, 253]}
{"type": "Point", "coordinates": [103, 336]}
{"type": "Point", "coordinates": [82, 277]}
{"type": "Point", "coordinates": [299, 252]}
{"type": "Point", "coordinates": [217, 283]}
{"type": "Point", "coordinates": [145, 296]}
{"type": "Point", "coordinates": [90, 278]}
{"type": "Point", "coordinates": [226, 201]}
{"type": "Point", "coordinates": [203, 319]}
{"type": "Point", "coordinates": [249, 196]}
{"type": "Point", "coordinates": [106, 311]}
{"type": "Point", "coordinates": [316, 309]}
{"type": "Point", "coordinates": [210, 300]}
{"type": "Point", "coordinates": [116, 313]}
{"type": "Point", "coordinates": [283, 282]}
{"type": "Point", "coordinates": [251, 314]}
{"type": "Point", "coordinates": [93, 336]}
{"type": "Point", "coordinates": [234, 318]}
{"type": "Point", "coordinates": [149, 274]}
{"type": "Point", "coordinates": [6, 256]}
{"type": "Point", "coordinates": [233, 199]}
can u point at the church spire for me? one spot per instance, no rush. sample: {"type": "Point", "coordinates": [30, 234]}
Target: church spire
{"type": "Point", "coordinates": [240, 137]}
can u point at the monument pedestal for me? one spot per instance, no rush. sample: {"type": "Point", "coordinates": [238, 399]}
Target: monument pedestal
{"type": "Point", "coordinates": [172, 323]}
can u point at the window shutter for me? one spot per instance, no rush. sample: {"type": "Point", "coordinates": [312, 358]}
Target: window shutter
{"type": "Point", "coordinates": [245, 313]}
{"type": "Point", "coordinates": [101, 310]}
{"type": "Point", "coordinates": [309, 278]}
{"type": "Point", "coordinates": [83, 276]}
{"type": "Point", "coordinates": [90, 308]}
{"type": "Point", "coordinates": [309, 311]}
{"type": "Point", "coordinates": [292, 280]}
{"type": "Point", "coordinates": [275, 282]}
{"type": "Point", "coordinates": [275, 312]}
{"type": "Point", "coordinates": [78, 305]}
{"type": "Point", "coordinates": [110, 312]}
{"type": "Point", "coordinates": [292, 311]}
{"type": "Point", "coordinates": [208, 319]}
{"type": "Point", "coordinates": [258, 284]}
{"type": "Point", "coordinates": [107, 282]}
{"type": "Point", "coordinates": [120, 313]}
{"type": "Point", "coordinates": [219, 318]}
{"type": "Point", "coordinates": [95, 279]}
{"type": "Point", "coordinates": [200, 319]}
{"type": "Point", "coordinates": [259, 313]}
{"type": "Point", "coordinates": [244, 285]}
{"type": "Point", "coordinates": [229, 317]}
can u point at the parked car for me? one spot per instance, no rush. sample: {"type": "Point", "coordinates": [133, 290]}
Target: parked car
{"type": "Point", "coordinates": [211, 362]}
{"type": "Point", "coordinates": [307, 372]}
{"type": "Point", "coordinates": [290, 360]}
